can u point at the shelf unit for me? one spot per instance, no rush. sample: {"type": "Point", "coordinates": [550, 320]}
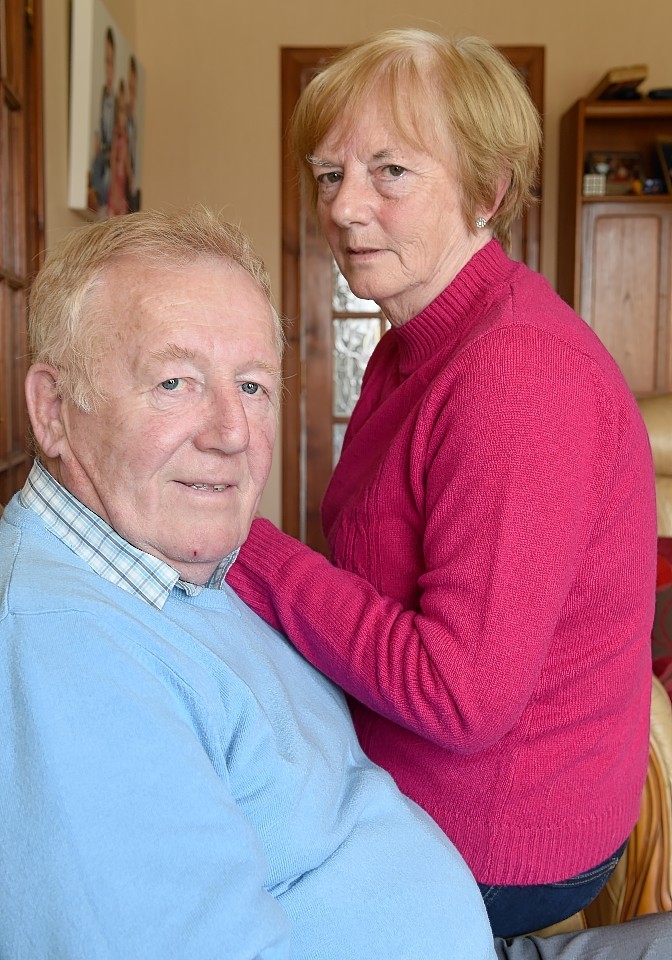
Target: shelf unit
{"type": "Point", "coordinates": [601, 125]}
{"type": "Point", "coordinates": [615, 251]}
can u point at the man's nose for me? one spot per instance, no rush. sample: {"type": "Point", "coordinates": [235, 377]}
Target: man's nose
{"type": "Point", "coordinates": [225, 425]}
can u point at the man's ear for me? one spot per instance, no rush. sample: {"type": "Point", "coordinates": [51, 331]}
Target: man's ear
{"type": "Point", "coordinates": [45, 408]}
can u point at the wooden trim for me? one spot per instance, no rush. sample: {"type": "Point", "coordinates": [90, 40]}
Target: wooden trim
{"type": "Point", "coordinates": [35, 154]}
{"type": "Point", "coordinates": [569, 209]}
{"type": "Point", "coordinates": [22, 231]}
{"type": "Point", "coordinates": [13, 280]}
{"type": "Point", "coordinates": [292, 455]}
{"type": "Point", "coordinates": [529, 60]}
{"type": "Point", "coordinates": [296, 63]}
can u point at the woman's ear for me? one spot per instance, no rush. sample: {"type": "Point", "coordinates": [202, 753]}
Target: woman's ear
{"type": "Point", "coordinates": [502, 187]}
{"type": "Point", "coordinates": [45, 408]}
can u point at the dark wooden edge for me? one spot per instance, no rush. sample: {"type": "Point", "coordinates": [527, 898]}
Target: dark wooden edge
{"type": "Point", "coordinates": [293, 62]}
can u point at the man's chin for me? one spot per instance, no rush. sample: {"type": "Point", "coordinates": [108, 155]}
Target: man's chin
{"type": "Point", "coordinates": [197, 561]}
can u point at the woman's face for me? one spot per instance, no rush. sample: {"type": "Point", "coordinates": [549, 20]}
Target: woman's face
{"type": "Point", "coordinates": [391, 212]}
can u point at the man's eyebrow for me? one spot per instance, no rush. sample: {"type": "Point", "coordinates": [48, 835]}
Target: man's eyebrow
{"type": "Point", "coordinates": [272, 369]}
{"type": "Point", "coordinates": [172, 351]}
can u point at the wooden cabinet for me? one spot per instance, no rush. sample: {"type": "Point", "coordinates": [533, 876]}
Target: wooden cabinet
{"type": "Point", "coordinates": [615, 252]}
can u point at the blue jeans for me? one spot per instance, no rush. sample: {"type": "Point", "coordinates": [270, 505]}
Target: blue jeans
{"type": "Point", "coordinates": [516, 910]}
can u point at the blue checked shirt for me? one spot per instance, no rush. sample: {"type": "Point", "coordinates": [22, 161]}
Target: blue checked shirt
{"type": "Point", "coordinates": [108, 554]}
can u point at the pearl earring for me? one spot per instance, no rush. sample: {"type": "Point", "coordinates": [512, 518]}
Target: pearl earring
{"type": "Point", "coordinates": [481, 222]}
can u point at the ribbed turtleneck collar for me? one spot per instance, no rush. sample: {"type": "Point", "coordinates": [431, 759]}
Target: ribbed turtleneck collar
{"type": "Point", "coordinates": [444, 318]}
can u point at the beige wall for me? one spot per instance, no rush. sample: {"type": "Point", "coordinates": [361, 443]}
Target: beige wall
{"type": "Point", "coordinates": [212, 129]}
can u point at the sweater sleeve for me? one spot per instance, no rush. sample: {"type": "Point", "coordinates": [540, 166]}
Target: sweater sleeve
{"type": "Point", "coordinates": [122, 823]}
{"type": "Point", "coordinates": [517, 456]}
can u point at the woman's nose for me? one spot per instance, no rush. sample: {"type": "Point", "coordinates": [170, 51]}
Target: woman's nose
{"type": "Point", "coordinates": [353, 202]}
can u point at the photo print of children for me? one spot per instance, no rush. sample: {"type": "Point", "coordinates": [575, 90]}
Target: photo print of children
{"type": "Point", "coordinates": [114, 168]}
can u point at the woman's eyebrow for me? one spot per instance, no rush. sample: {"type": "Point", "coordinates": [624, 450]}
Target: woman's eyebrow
{"type": "Point", "coordinates": [384, 154]}
{"type": "Point", "coordinates": [318, 161]}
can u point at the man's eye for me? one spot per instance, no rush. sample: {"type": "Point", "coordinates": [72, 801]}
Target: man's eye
{"type": "Point", "coordinates": [250, 388]}
{"type": "Point", "coordinates": [172, 384]}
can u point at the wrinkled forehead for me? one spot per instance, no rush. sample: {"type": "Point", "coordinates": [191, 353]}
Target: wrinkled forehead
{"type": "Point", "coordinates": [132, 293]}
{"type": "Point", "coordinates": [152, 269]}
{"type": "Point", "coordinates": [404, 106]}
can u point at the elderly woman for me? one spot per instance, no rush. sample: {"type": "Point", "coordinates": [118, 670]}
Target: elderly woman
{"type": "Point", "coordinates": [491, 522]}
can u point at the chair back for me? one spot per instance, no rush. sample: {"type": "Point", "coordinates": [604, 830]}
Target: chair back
{"type": "Point", "coordinates": [657, 415]}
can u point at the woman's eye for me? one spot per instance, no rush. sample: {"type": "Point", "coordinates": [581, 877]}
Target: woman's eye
{"type": "Point", "coordinates": [172, 384]}
{"type": "Point", "coordinates": [395, 170]}
{"type": "Point", "coordinates": [332, 177]}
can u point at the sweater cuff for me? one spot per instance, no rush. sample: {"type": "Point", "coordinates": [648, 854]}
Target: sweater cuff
{"type": "Point", "coordinates": [252, 574]}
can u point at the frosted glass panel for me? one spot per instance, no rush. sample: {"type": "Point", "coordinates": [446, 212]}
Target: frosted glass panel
{"type": "Point", "coordinates": [344, 300]}
{"type": "Point", "coordinates": [354, 341]}
{"type": "Point", "coordinates": [338, 433]}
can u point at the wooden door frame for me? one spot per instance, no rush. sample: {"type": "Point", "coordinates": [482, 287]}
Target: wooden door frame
{"type": "Point", "coordinates": [21, 87]}
{"type": "Point", "coordinates": [295, 63]}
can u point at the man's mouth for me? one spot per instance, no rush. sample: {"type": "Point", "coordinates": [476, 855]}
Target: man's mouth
{"type": "Point", "coordinates": [211, 487]}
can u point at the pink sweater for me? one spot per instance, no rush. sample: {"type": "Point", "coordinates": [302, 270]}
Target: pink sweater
{"type": "Point", "coordinates": [492, 528]}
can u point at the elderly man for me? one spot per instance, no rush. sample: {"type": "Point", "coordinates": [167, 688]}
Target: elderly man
{"type": "Point", "coordinates": [177, 782]}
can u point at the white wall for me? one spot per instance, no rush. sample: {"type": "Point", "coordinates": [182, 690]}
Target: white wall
{"type": "Point", "coordinates": [212, 125]}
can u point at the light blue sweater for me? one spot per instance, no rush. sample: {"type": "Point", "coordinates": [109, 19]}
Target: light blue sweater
{"type": "Point", "coordinates": [182, 784]}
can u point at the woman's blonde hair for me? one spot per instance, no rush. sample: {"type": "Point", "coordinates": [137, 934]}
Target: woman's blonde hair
{"type": "Point", "coordinates": [465, 88]}
{"type": "Point", "coordinates": [64, 327]}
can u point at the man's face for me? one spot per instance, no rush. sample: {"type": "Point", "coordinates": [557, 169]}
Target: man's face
{"type": "Point", "coordinates": [177, 458]}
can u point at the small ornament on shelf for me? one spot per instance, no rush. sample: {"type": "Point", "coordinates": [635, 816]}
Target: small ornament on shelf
{"type": "Point", "coordinates": [620, 83]}
{"type": "Point", "coordinates": [594, 184]}
{"type": "Point", "coordinates": [622, 170]}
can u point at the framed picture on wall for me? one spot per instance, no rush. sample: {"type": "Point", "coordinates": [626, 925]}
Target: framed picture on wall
{"type": "Point", "coordinates": [107, 86]}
